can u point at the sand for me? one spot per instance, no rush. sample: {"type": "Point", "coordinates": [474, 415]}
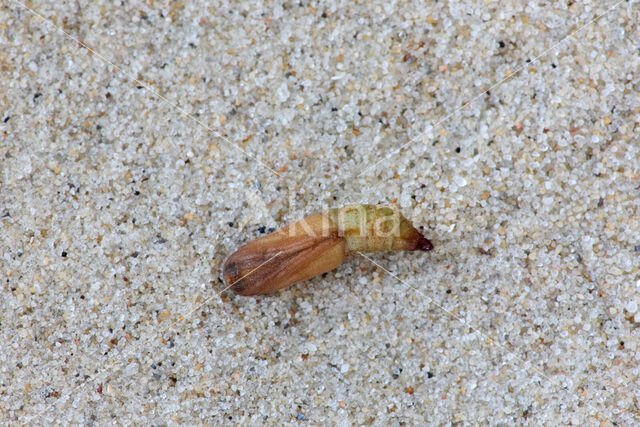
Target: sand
{"type": "Point", "coordinates": [141, 143]}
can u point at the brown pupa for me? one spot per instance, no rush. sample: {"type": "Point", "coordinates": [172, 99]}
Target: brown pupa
{"type": "Point", "coordinates": [316, 244]}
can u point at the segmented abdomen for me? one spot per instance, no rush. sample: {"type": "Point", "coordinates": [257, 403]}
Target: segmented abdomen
{"type": "Point", "coordinates": [373, 228]}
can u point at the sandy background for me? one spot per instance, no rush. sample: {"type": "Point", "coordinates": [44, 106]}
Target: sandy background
{"type": "Point", "coordinates": [143, 142]}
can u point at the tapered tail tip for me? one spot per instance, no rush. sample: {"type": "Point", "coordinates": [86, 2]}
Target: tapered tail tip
{"type": "Point", "coordinates": [424, 244]}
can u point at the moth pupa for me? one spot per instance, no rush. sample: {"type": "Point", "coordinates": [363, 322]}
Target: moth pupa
{"type": "Point", "coordinates": [316, 244]}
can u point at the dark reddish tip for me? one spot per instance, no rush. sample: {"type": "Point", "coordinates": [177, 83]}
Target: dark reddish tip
{"type": "Point", "coordinates": [424, 244]}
